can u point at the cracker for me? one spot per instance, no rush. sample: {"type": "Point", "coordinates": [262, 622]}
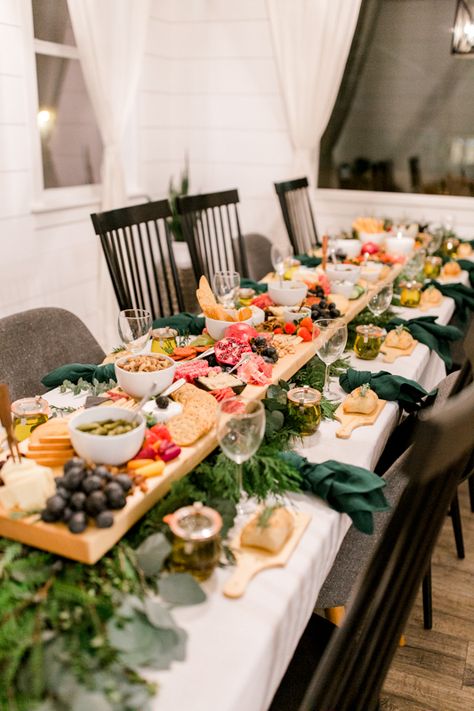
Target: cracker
{"type": "Point", "coordinates": [185, 430]}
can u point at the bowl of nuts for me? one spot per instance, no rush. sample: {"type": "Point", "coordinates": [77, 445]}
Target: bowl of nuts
{"type": "Point", "coordinates": [138, 374]}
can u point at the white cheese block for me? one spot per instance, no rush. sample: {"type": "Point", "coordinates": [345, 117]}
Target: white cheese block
{"type": "Point", "coordinates": [14, 471]}
{"type": "Point", "coordinates": [29, 492]}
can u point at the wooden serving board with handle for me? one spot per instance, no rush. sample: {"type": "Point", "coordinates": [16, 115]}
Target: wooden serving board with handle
{"type": "Point", "coordinates": [251, 560]}
{"type": "Point", "coordinates": [391, 354]}
{"type": "Point", "coordinates": [351, 420]}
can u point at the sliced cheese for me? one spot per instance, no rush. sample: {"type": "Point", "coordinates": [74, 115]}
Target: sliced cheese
{"type": "Point", "coordinates": [28, 493]}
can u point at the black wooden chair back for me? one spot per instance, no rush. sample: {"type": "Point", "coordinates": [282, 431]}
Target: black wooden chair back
{"type": "Point", "coordinates": [353, 668]}
{"type": "Point", "coordinates": [212, 230]}
{"type": "Point", "coordinates": [138, 250]}
{"type": "Point", "coordinates": [298, 214]}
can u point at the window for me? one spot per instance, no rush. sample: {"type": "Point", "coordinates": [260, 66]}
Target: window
{"type": "Point", "coordinates": [403, 117]}
{"type": "Point", "coordinates": [71, 146]}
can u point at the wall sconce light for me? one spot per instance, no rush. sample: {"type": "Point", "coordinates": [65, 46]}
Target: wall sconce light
{"type": "Point", "coordinates": [463, 29]}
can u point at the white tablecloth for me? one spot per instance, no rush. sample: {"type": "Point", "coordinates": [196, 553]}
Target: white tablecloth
{"type": "Point", "coordinates": [238, 650]}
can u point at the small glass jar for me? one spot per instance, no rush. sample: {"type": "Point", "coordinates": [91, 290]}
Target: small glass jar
{"type": "Point", "coordinates": [368, 341]}
{"type": "Point", "coordinates": [305, 404]}
{"type": "Point", "coordinates": [28, 413]}
{"type": "Point", "coordinates": [432, 267]}
{"type": "Point", "coordinates": [449, 247]}
{"type": "Point", "coordinates": [410, 294]}
{"type": "Point", "coordinates": [196, 545]}
{"type": "Point", "coordinates": [163, 340]}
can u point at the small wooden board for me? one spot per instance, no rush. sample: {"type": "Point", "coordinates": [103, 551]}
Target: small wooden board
{"type": "Point", "coordinates": [350, 421]}
{"type": "Point", "coordinates": [391, 354]}
{"type": "Point", "coordinates": [251, 561]}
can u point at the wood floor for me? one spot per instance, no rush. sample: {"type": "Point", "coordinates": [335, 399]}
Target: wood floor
{"type": "Point", "coordinates": [435, 670]}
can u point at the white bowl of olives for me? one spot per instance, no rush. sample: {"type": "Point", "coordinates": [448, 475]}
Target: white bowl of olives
{"type": "Point", "coordinates": [107, 435]}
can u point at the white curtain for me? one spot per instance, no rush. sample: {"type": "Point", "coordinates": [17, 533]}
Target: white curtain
{"type": "Point", "coordinates": [311, 40]}
{"type": "Point", "coordinates": [110, 37]}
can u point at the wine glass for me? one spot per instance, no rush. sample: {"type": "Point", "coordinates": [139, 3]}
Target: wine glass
{"type": "Point", "coordinates": [240, 429]}
{"type": "Point", "coordinates": [380, 301]}
{"type": "Point", "coordinates": [134, 326]}
{"type": "Point", "coordinates": [330, 336]}
{"type": "Point", "coordinates": [281, 257]}
{"type": "Point", "coordinates": [226, 285]}
{"type": "Point", "coordinates": [435, 242]}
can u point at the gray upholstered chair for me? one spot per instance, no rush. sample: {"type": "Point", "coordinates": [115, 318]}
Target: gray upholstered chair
{"type": "Point", "coordinates": [34, 342]}
{"type": "Point", "coordinates": [258, 249]}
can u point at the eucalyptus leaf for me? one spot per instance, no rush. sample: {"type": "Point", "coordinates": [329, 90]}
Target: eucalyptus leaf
{"type": "Point", "coordinates": [86, 700]}
{"type": "Point", "coordinates": [273, 422]}
{"type": "Point", "coordinates": [152, 553]}
{"type": "Point", "coordinates": [157, 615]}
{"type": "Point", "coordinates": [181, 589]}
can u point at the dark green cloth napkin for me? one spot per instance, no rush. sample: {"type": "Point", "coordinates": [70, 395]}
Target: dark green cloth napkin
{"type": "Point", "coordinates": [408, 393]}
{"type": "Point", "coordinates": [183, 322]}
{"type": "Point", "coordinates": [463, 297]}
{"type": "Point", "coordinates": [258, 286]}
{"type": "Point", "coordinates": [432, 334]}
{"type": "Point", "coordinates": [347, 489]}
{"type": "Point", "coordinates": [76, 371]}
{"type": "Point", "coordinates": [308, 261]}
{"type": "Point", "coordinates": [468, 267]}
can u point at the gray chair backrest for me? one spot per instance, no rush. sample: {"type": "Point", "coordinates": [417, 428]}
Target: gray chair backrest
{"type": "Point", "coordinates": [258, 249]}
{"type": "Point", "coordinates": [34, 342]}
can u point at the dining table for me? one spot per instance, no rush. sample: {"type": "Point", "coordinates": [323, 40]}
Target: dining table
{"type": "Point", "coordinates": [238, 649]}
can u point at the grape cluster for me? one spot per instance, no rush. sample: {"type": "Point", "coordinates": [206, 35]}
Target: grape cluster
{"type": "Point", "coordinates": [261, 346]}
{"type": "Point", "coordinates": [84, 492]}
{"type": "Point", "coordinates": [324, 309]}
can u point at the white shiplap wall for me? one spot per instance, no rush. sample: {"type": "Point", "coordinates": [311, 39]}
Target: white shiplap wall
{"type": "Point", "coordinates": [46, 258]}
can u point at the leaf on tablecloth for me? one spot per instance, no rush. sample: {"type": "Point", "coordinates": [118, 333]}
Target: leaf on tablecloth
{"type": "Point", "coordinates": [181, 589]}
{"type": "Point", "coordinates": [152, 553]}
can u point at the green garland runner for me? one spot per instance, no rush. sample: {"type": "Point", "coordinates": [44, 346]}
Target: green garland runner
{"type": "Point", "coordinates": [74, 636]}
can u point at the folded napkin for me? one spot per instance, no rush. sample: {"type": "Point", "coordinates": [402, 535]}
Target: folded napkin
{"type": "Point", "coordinates": [408, 393]}
{"type": "Point", "coordinates": [257, 286]}
{"type": "Point", "coordinates": [468, 267]}
{"type": "Point", "coordinates": [463, 296]}
{"type": "Point", "coordinates": [347, 489]}
{"type": "Point", "coordinates": [75, 371]}
{"type": "Point", "coordinates": [183, 322]}
{"type": "Point", "coordinates": [308, 261]}
{"type": "Point", "coordinates": [432, 334]}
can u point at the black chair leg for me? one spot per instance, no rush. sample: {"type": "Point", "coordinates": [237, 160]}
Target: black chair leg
{"type": "Point", "coordinates": [427, 600]}
{"type": "Point", "coordinates": [470, 482]}
{"type": "Point", "coordinates": [455, 514]}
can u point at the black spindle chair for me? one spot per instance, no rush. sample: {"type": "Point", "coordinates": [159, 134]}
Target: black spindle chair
{"type": "Point", "coordinates": [139, 253]}
{"type": "Point", "coordinates": [298, 214]}
{"type": "Point", "coordinates": [353, 667]}
{"type": "Point", "coordinates": [212, 230]}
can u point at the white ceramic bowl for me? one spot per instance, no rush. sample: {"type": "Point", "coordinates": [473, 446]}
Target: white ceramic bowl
{"type": "Point", "coordinates": [216, 328]}
{"type": "Point", "coordinates": [291, 316]}
{"type": "Point", "coordinates": [377, 238]}
{"type": "Point", "coordinates": [399, 245]}
{"type": "Point", "coordinates": [350, 247]}
{"type": "Point", "coordinates": [342, 287]}
{"type": "Point", "coordinates": [290, 293]}
{"type": "Point", "coordinates": [342, 272]}
{"type": "Point", "coordinates": [258, 315]}
{"type": "Point", "coordinates": [370, 271]}
{"type": "Point", "coordinates": [101, 449]}
{"type": "Point", "coordinates": [139, 384]}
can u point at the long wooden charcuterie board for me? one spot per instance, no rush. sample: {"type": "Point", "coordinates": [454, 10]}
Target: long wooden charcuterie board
{"type": "Point", "coordinates": [93, 543]}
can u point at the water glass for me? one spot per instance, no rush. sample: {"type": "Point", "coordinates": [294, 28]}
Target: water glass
{"type": "Point", "coordinates": [226, 285]}
{"type": "Point", "coordinates": [282, 257]}
{"type": "Point", "coordinates": [330, 336]}
{"type": "Point", "coordinates": [240, 429]}
{"type": "Point", "coordinates": [134, 326]}
{"type": "Point", "coordinates": [380, 301]}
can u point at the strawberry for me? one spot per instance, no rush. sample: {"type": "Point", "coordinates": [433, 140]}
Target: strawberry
{"type": "Point", "coordinates": [304, 333]}
{"type": "Point", "coordinates": [307, 323]}
{"type": "Point", "coordinates": [290, 328]}
{"type": "Point", "coordinates": [278, 330]}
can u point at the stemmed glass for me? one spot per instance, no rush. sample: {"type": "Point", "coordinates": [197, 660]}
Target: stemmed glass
{"type": "Point", "coordinates": [330, 336]}
{"type": "Point", "coordinates": [380, 301]}
{"type": "Point", "coordinates": [281, 257]}
{"type": "Point", "coordinates": [435, 242]}
{"type": "Point", "coordinates": [226, 285]}
{"type": "Point", "coordinates": [134, 326]}
{"type": "Point", "coordinates": [240, 429]}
